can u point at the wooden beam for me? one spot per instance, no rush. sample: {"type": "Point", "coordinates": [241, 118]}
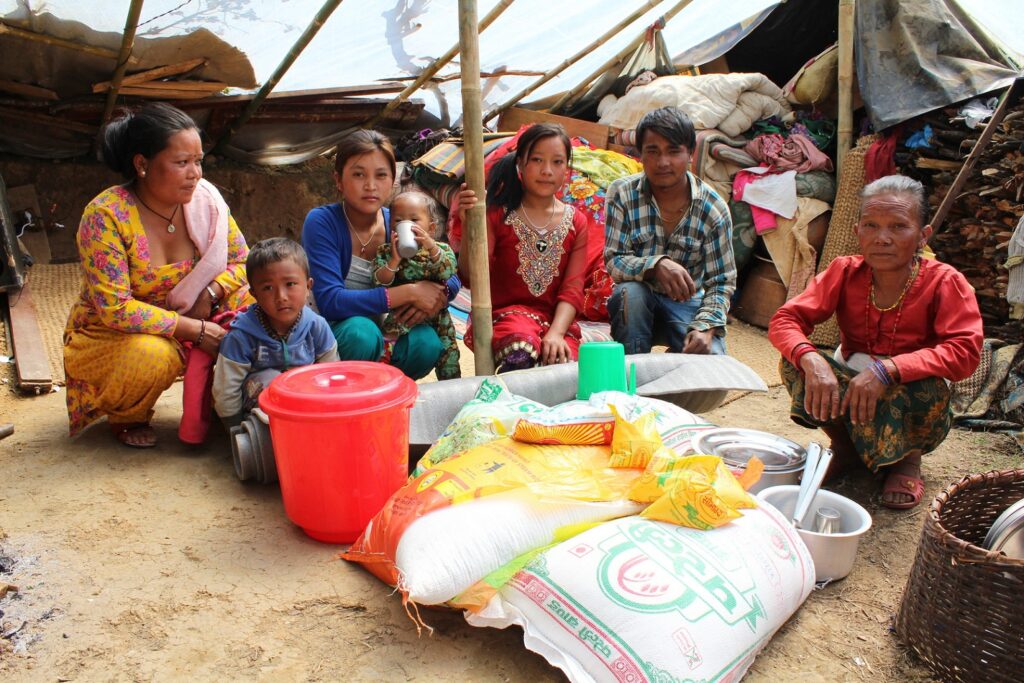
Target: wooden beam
{"type": "Point", "coordinates": [844, 126]}
{"type": "Point", "coordinates": [45, 119]}
{"type": "Point", "coordinates": [1011, 94]}
{"type": "Point", "coordinates": [441, 61]}
{"type": "Point", "coordinates": [59, 42]}
{"type": "Point", "coordinates": [153, 74]}
{"type": "Point", "coordinates": [31, 362]}
{"type": "Point", "coordinates": [314, 27]}
{"type": "Point", "coordinates": [127, 43]}
{"type": "Point", "coordinates": [596, 133]}
{"type": "Point", "coordinates": [559, 68]}
{"type": "Point", "coordinates": [31, 91]}
{"type": "Point", "coordinates": [625, 52]}
{"type": "Point", "coordinates": [476, 218]}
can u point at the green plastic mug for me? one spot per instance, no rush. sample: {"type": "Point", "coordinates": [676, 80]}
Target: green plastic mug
{"type": "Point", "coordinates": [602, 367]}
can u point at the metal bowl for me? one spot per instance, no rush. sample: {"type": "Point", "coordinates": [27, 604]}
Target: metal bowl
{"type": "Point", "coordinates": [1007, 533]}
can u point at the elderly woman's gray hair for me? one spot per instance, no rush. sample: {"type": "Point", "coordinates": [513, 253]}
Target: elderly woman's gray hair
{"type": "Point", "coordinates": [898, 184]}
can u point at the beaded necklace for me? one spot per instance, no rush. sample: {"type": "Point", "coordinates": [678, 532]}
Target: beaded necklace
{"type": "Point", "coordinates": [898, 305]}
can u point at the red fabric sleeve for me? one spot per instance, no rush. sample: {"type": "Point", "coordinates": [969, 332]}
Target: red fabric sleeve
{"type": "Point", "coordinates": [958, 329]}
{"type": "Point", "coordinates": [571, 289]}
{"type": "Point", "coordinates": [797, 317]}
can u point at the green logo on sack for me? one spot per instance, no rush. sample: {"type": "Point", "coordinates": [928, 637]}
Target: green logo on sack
{"type": "Point", "coordinates": [655, 570]}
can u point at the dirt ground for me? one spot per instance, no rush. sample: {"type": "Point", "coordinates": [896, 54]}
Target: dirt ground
{"type": "Point", "coordinates": [160, 565]}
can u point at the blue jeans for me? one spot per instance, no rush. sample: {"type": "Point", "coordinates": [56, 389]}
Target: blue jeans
{"type": "Point", "coordinates": [415, 353]}
{"type": "Point", "coordinates": [638, 313]}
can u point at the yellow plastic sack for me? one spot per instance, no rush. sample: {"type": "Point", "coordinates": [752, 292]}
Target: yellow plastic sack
{"type": "Point", "coordinates": [634, 443]}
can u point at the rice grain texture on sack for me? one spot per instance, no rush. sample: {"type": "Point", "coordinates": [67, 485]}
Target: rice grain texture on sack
{"type": "Point", "coordinates": [640, 600]}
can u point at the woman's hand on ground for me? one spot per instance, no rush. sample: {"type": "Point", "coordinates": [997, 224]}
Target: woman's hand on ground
{"type": "Point", "coordinates": [698, 341]}
{"type": "Point", "coordinates": [821, 388]}
{"type": "Point", "coordinates": [554, 349]}
{"type": "Point", "coordinates": [862, 397]}
{"type": "Point", "coordinates": [674, 279]}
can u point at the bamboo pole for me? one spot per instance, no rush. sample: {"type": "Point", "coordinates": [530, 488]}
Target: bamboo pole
{"type": "Point", "coordinates": [438, 64]}
{"type": "Point", "coordinates": [844, 127]}
{"type": "Point", "coordinates": [59, 42]}
{"type": "Point", "coordinates": [127, 43]}
{"type": "Point", "coordinates": [476, 225]}
{"type": "Point", "coordinates": [314, 27]}
{"type": "Point", "coordinates": [608, 35]}
{"type": "Point", "coordinates": [564, 99]}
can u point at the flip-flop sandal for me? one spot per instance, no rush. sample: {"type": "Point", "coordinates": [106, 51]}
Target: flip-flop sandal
{"type": "Point", "coordinates": [122, 430]}
{"type": "Point", "coordinates": [903, 483]}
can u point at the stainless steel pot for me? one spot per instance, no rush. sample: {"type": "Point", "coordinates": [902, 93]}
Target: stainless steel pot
{"type": "Point", "coordinates": [783, 459]}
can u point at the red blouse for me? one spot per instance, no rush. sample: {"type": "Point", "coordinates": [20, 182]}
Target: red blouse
{"type": "Point", "coordinates": [936, 333]}
{"type": "Point", "coordinates": [537, 271]}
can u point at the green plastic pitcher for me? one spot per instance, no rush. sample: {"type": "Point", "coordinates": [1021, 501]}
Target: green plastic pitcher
{"type": "Point", "coordinates": [602, 367]}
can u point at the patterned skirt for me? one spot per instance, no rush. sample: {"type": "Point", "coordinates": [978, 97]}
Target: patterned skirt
{"type": "Point", "coordinates": [915, 416]}
{"type": "Point", "coordinates": [518, 328]}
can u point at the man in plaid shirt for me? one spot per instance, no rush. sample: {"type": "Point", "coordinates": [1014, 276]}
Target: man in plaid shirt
{"type": "Point", "coordinates": [668, 246]}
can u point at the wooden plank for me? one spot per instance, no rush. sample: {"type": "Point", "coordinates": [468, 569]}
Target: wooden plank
{"type": "Point", "coordinates": [33, 117]}
{"type": "Point", "coordinates": [153, 74]}
{"type": "Point", "coordinates": [597, 134]}
{"type": "Point", "coordinates": [31, 362]}
{"type": "Point", "coordinates": [171, 93]}
{"type": "Point", "coordinates": [937, 164]}
{"type": "Point", "coordinates": [32, 91]}
{"type": "Point", "coordinates": [60, 42]}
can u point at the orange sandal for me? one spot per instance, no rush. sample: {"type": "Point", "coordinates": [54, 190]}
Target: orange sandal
{"type": "Point", "coordinates": [124, 431]}
{"type": "Point", "coordinates": [903, 483]}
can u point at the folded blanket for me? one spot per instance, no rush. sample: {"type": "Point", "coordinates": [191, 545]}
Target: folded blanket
{"type": "Point", "coordinates": [728, 102]}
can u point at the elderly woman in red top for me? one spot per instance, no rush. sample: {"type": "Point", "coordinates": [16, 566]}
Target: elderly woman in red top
{"type": "Point", "coordinates": [907, 326]}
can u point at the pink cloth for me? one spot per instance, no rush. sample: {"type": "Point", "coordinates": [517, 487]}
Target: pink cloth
{"type": "Point", "coordinates": [206, 217]}
{"type": "Point", "coordinates": [196, 391]}
{"type": "Point", "coordinates": [764, 220]}
{"type": "Point", "coordinates": [795, 153]}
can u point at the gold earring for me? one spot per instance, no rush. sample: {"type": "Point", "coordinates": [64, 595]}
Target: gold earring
{"type": "Point", "coordinates": [142, 174]}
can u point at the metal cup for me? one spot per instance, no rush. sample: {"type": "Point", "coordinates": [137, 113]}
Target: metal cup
{"type": "Point", "coordinates": [826, 520]}
{"type": "Point", "coordinates": [407, 244]}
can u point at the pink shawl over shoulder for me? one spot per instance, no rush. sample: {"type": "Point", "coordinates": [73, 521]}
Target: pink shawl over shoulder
{"type": "Point", "coordinates": [206, 216]}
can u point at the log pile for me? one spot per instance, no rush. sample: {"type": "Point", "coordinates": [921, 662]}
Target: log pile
{"type": "Point", "coordinates": [975, 235]}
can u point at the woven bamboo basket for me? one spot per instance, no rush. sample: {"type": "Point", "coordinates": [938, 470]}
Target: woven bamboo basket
{"type": "Point", "coordinates": [963, 608]}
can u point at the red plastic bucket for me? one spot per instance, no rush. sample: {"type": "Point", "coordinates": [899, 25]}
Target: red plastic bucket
{"type": "Point", "coordinates": [341, 441]}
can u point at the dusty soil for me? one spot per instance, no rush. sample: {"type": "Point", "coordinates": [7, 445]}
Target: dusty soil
{"type": "Point", "coordinates": [160, 564]}
{"type": "Point", "coordinates": [157, 565]}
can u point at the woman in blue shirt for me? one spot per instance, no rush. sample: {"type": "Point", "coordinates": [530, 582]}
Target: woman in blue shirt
{"type": "Point", "coordinates": [341, 240]}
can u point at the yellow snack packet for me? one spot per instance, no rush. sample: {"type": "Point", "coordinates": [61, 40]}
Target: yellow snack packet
{"type": "Point", "coordinates": [634, 443]}
{"type": "Point", "coordinates": [692, 502]}
{"type": "Point", "coordinates": [696, 491]}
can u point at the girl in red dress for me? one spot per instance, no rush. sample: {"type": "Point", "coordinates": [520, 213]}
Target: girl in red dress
{"type": "Point", "coordinates": [537, 253]}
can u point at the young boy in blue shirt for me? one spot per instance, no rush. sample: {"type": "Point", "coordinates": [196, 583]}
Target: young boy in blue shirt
{"type": "Point", "coordinates": [278, 333]}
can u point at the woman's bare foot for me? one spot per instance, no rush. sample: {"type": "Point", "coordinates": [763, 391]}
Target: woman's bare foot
{"type": "Point", "coordinates": [903, 487]}
{"type": "Point", "coordinates": [134, 434]}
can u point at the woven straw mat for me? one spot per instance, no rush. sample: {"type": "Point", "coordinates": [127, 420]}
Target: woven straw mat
{"type": "Point", "coordinates": [840, 240]}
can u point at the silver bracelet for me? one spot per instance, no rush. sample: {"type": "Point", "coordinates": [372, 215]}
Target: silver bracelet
{"type": "Point", "coordinates": [435, 255]}
{"type": "Point", "coordinates": [393, 270]}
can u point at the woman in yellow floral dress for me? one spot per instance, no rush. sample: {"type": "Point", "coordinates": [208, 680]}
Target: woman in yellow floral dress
{"type": "Point", "coordinates": [160, 255]}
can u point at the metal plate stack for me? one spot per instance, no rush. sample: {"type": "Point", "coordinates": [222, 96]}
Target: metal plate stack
{"type": "Point", "coordinates": [1007, 532]}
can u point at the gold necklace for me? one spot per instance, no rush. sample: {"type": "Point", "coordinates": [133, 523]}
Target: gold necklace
{"type": "Point", "coordinates": [352, 229]}
{"type": "Point", "coordinates": [906, 288]}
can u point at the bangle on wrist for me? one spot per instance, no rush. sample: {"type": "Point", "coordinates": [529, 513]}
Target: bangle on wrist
{"type": "Point", "coordinates": [881, 373]}
{"type": "Point", "coordinates": [393, 270]}
{"type": "Point", "coordinates": [202, 333]}
{"type": "Point", "coordinates": [214, 299]}
{"type": "Point", "coordinates": [436, 254]}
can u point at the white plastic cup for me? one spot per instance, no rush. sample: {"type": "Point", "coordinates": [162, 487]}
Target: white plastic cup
{"type": "Point", "coordinates": [407, 244]}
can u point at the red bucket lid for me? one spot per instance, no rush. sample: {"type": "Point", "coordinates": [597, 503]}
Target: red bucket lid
{"type": "Point", "coordinates": [342, 387]}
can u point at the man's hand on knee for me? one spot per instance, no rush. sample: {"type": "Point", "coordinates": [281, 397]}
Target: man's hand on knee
{"type": "Point", "coordinates": [674, 279]}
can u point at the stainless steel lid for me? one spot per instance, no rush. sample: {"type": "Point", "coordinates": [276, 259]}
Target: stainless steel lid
{"type": "Point", "coordinates": [1007, 532]}
{"type": "Point", "coordinates": [737, 446]}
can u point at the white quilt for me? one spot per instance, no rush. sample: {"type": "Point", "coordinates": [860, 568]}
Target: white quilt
{"type": "Point", "coordinates": [729, 102]}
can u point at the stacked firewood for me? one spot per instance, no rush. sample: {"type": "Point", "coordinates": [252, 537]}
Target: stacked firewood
{"type": "Point", "coordinates": [975, 235]}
